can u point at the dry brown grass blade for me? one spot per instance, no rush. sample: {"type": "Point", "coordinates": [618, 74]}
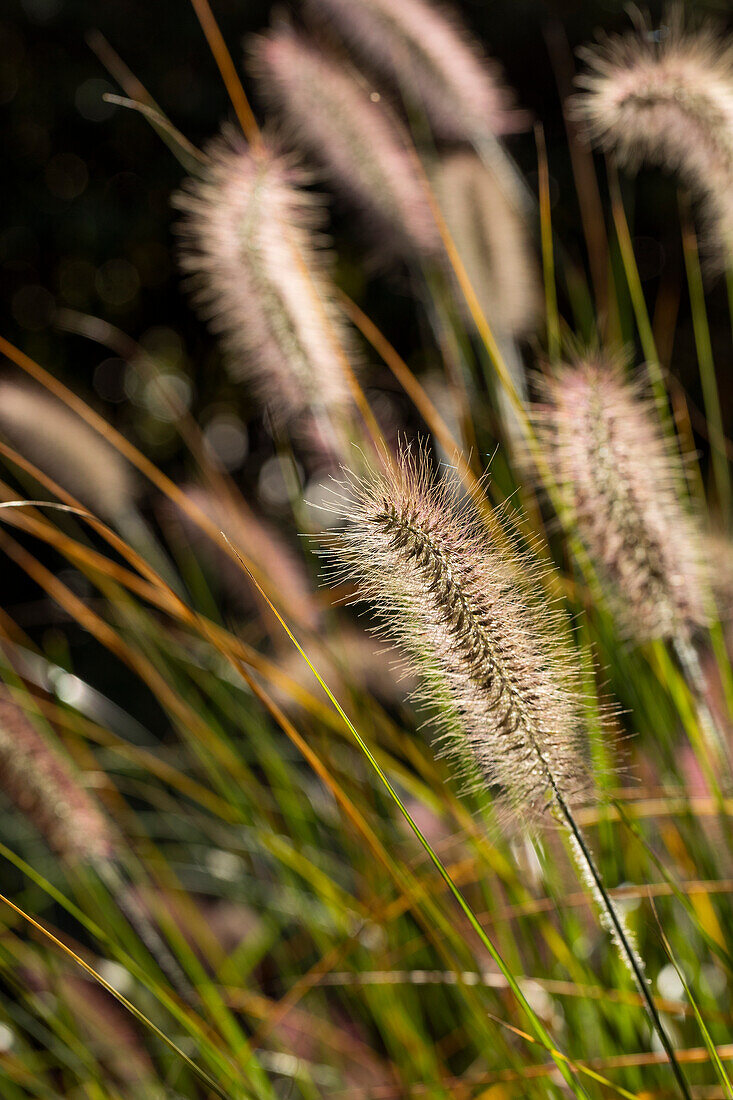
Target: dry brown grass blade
{"type": "Point", "coordinates": [130, 452]}
{"type": "Point", "coordinates": [188, 719]}
{"type": "Point", "coordinates": [494, 980]}
{"type": "Point", "coordinates": [226, 67]}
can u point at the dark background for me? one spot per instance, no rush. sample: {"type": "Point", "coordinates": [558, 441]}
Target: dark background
{"type": "Point", "coordinates": [86, 216]}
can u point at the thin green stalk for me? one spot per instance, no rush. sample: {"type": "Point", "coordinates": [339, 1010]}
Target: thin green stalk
{"type": "Point", "coordinates": [711, 397]}
{"type": "Point", "coordinates": [548, 258]}
{"type": "Point", "coordinates": [143, 926]}
{"type": "Point", "coordinates": [715, 1058]}
{"type": "Point", "coordinates": [641, 313]}
{"type": "Point", "coordinates": [678, 892]}
{"type": "Point", "coordinates": [712, 734]}
{"type": "Point", "coordinates": [621, 937]}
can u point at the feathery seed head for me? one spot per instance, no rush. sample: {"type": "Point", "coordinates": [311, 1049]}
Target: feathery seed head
{"type": "Point", "coordinates": [489, 654]}
{"type": "Point", "coordinates": [424, 49]}
{"type": "Point", "coordinates": [62, 445]}
{"type": "Point", "coordinates": [359, 145]}
{"type": "Point", "coordinates": [667, 98]}
{"type": "Point", "coordinates": [606, 451]}
{"type": "Point", "coordinates": [491, 237]}
{"type": "Point", "coordinates": [45, 789]}
{"type": "Point", "coordinates": [260, 276]}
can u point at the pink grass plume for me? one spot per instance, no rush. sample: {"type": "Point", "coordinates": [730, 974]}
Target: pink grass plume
{"type": "Point", "coordinates": [666, 98]}
{"type": "Point", "coordinates": [260, 276]}
{"type": "Point", "coordinates": [43, 785]}
{"type": "Point", "coordinates": [623, 492]}
{"type": "Point", "coordinates": [465, 608]}
{"type": "Point", "coordinates": [332, 116]}
{"type": "Point", "coordinates": [432, 58]}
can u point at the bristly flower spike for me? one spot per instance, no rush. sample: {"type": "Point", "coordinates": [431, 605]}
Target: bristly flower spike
{"type": "Point", "coordinates": [260, 276]}
{"type": "Point", "coordinates": [425, 51]}
{"type": "Point", "coordinates": [666, 97]}
{"type": "Point", "coordinates": [461, 607]}
{"type": "Point", "coordinates": [492, 239]}
{"type": "Point", "coordinates": [490, 651]}
{"type": "Point", "coordinates": [359, 145]}
{"type": "Point", "coordinates": [43, 786]}
{"type": "Point", "coordinates": [620, 484]}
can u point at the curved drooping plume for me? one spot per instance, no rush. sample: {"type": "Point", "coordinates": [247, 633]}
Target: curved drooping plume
{"type": "Point", "coordinates": [43, 786]}
{"type": "Point", "coordinates": [489, 653]}
{"type": "Point", "coordinates": [667, 98]}
{"type": "Point", "coordinates": [260, 276]}
{"type": "Point", "coordinates": [492, 241]}
{"type": "Point", "coordinates": [361, 147]}
{"type": "Point", "coordinates": [613, 469]}
{"type": "Point", "coordinates": [62, 445]}
{"type": "Point", "coordinates": [426, 52]}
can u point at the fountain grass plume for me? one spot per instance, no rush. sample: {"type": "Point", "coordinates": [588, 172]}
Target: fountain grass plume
{"type": "Point", "coordinates": [492, 657]}
{"type": "Point", "coordinates": [666, 98]}
{"type": "Point", "coordinates": [428, 54]}
{"type": "Point", "coordinates": [624, 493]}
{"type": "Point", "coordinates": [60, 443]}
{"type": "Point", "coordinates": [361, 147]}
{"type": "Point", "coordinates": [492, 240]}
{"type": "Point", "coordinates": [259, 275]}
{"type": "Point", "coordinates": [43, 785]}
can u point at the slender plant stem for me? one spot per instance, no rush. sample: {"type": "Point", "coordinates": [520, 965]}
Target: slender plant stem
{"type": "Point", "coordinates": [622, 938]}
{"type": "Point", "coordinates": [713, 735]}
{"type": "Point", "coordinates": [548, 259]}
{"type": "Point", "coordinates": [143, 926]}
{"type": "Point", "coordinates": [719, 459]}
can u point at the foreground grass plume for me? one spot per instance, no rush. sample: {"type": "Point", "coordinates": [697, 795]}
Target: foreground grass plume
{"type": "Point", "coordinates": [667, 98]}
{"type": "Point", "coordinates": [42, 784]}
{"type": "Point", "coordinates": [259, 274]}
{"type": "Point", "coordinates": [606, 452]}
{"type": "Point", "coordinates": [62, 445]}
{"type": "Point", "coordinates": [491, 654]}
{"type": "Point", "coordinates": [426, 52]}
{"type": "Point", "coordinates": [460, 606]}
{"type": "Point", "coordinates": [362, 148]}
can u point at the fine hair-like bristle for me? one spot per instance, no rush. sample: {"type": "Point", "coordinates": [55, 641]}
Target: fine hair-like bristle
{"type": "Point", "coordinates": [43, 786]}
{"type": "Point", "coordinates": [492, 241]}
{"type": "Point", "coordinates": [260, 276]}
{"type": "Point", "coordinates": [425, 51]}
{"type": "Point", "coordinates": [667, 98]}
{"type": "Point", "coordinates": [490, 654]}
{"type": "Point", "coordinates": [62, 445]}
{"type": "Point", "coordinates": [616, 476]}
{"type": "Point", "coordinates": [362, 148]}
